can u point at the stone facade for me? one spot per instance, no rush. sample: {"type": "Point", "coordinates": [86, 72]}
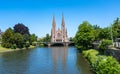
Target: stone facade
{"type": "Point", "coordinates": [59, 35]}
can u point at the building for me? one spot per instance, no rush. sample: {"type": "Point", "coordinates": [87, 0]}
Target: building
{"type": "Point", "coordinates": [59, 35]}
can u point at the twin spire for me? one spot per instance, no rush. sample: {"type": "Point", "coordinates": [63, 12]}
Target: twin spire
{"type": "Point", "coordinates": [54, 22]}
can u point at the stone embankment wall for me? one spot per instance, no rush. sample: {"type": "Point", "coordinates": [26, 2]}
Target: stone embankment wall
{"type": "Point", "coordinates": [115, 53]}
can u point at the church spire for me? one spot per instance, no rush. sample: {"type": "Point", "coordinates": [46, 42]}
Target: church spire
{"type": "Point", "coordinates": [63, 22]}
{"type": "Point", "coordinates": [53, 23]}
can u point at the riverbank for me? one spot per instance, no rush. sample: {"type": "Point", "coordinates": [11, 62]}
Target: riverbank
{"type": "Point", "coordinates": [101, 63]}
{"type": "Point", "coordinates": [2, 49]}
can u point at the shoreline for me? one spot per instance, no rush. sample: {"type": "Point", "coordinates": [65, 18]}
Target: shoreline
{"type": "Point", "coordinates": [3, 50]}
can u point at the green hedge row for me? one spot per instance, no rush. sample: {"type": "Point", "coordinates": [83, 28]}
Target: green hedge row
{"type": "Point", "coordinates": [101, 64]}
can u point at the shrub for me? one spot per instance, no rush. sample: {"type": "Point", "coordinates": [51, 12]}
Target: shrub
{"type": "Point", "coordinates": [107, 65]}
{"type": "Point", "coordinates": [41, 45]}
{"type": "Point", "coordinates": [27, 44]}
{"type": "Point", "coordinates": [34, 43]}
{"type": "Point", "coordinates": [102, 64]}
{"type": "Point", "coordinates": [104, 44]}
{"type": "Point", "coordinates": [14, 46]}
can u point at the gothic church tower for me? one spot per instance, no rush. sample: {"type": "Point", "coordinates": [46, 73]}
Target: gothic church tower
{"type": "Point", "coordinates": [59, 35]}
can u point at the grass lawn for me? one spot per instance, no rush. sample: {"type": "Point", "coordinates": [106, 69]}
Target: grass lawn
{"type": "Point", "coordinates": [2, 49]}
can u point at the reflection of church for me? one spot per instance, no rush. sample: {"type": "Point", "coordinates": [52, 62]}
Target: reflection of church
{"type": "Point", "coordinates": [59, 35]}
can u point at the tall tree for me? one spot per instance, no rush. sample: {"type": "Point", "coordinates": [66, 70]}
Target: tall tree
{"type": "Point", "coordinates": [97, 30]}
{"type": "Point", "coordinates": [8, 38]}
{"type": "Point", "coordinates": [47, 38]}
{"type": "Point", "coordinates": [105, 33]}
{"type": "Point", "coordinates": [116, 28]}
{"type": "Point", "coordinates": [18, 40]}
{"type": "Point", "coordinates": [21, 28]}
{"type": "Point", "coordinates": [84, 36]}
{"type": "Point", "coordinates": [33, 38]}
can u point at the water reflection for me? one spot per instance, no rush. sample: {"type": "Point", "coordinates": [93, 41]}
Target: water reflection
{"type": "Point", "coordinates": [14, 62]}
{"type": "Point", "coordinates": [54, 60]}
{"type": "Point", "coordinates": [82, 64]}
{"type": "Point", "coordinates": [59, 56]}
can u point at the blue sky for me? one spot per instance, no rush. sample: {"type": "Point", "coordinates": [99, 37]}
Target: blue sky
{"type": "Point", "coordinates": [37, 14]}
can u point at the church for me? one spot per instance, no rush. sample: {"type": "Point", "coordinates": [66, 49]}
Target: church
{"type": "Point", "coordinates": [59, 35]}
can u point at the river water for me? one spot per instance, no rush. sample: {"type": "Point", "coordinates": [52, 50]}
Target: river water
{"type": "Point", "coordinates": [53, 60]}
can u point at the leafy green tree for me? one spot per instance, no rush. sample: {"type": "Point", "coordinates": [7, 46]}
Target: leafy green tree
{"type": "Point", "coordinates": [116, 29]}
{"type": "Point", "coordinates": [47, 38]}
{"type": "Point", "coordinates": [18, 39]}
{"type": "Point", "coordinates": [105, 33]}
{"type": "Point", "coordinates": [96, 31]}
{"type": "Point", "coordinates": [84, 36]}
{"type": "Point", "coordinates": [33, 38]}
{"type": "Point", "coordinates": [8, 38]}
{"type": "Point", "coordinates": [21, 28]}
{"type": "Point", "coordinates": [103, 46]}
{"type": "Point", "coordinates": [71, 39]}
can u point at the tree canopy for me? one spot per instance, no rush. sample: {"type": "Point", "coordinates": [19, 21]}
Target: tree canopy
{"type": "Point", "coordinates": [21, 28]}
{"type": "Point", "coordinates": [84, 36]}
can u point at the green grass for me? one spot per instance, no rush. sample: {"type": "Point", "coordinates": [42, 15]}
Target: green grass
{"type": "Point", "coordinates": [2, 49]}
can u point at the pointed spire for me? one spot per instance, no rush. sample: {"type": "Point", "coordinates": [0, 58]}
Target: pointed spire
{"type": "Point", "coordinates": [63, 22]}
{"type": "Point", "coordinates": [54, 23]}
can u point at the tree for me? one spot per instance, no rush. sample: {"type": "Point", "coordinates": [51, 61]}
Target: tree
{"type": "Point", "coordinates": [84, 36]}
{"type": "Point", "coordinates": [8, 38]}
{"type": "Point", "coordinates": [18, 40]}
{"type": "Point", "coordinates": [103, 46]}
{"type": "Point", "coordinates": [96, 31]}
{"type": "Point", "coordinates": [33, 37]}
{"type": "Point", "coordinates": [71, 39]}
{"type": "Point", "coordinates": [105, 33]}
{"type": "Point", "coordinates": [47, 38]}
{"type": "Point", "coordinates": [21, 28]}
{"type": "Point", "coordinates": [116, 29]}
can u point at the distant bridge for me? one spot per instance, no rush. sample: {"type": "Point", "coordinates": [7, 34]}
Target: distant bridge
{"type": "Point", "coordinates": [58, 43]}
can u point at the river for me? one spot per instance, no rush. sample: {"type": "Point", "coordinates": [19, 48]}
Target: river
{"type": "Point", "coordinates": [53, 60]}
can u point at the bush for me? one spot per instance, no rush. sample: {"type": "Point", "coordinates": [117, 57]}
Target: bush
{"type": "Point", "coordinates": [102, 64]}
{"type": "Point", "coordinates": [14, 46]}
{"type": "Point", "coordinates": [34, 43]}
{"type": "Point", "coordinates": [91, 55]}
{"type": "Point", "coordinates": [104, 44]}
{"type": "Point", "coordinates": [41, 45]}
{"type": "Point", "coordinates": [27, 44]}
{"type": "Point", "coordinates": [107, 65]}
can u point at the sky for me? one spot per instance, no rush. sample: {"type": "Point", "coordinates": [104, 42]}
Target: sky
{"type": "Point", "coordinates": [37, 15]}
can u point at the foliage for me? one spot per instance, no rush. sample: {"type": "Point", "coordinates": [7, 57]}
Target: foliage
{"type": "Point", "coordinates": [71, 39]}
{"type": "Point", "coordinates": [105, 33]}
{"type": "Point", "coordinates": [7, 38]}
{"type": "Point", "coordinates": [91, 55]}
{"type": "Point", "coordinates": [104, 44]}
{"type": "Point", "coordinates": [41, 45]}
{"type": "Point", "coordinates": [34, 43]}
{"type": "Point", "coordinates": [96, 31]}
{"type": "Point", "coordinates": [21, 28]}
{"type": "Point", "coordinates": [27, 44]}
{"type": "Point", "coordinates": [18, 40]}
{"type": "Point", "coordinates": [33, 38]}
{"type": "Point", "coordinates": [47, 38]}
{"type": "Point", "coordinates": [84, 36]}
{"type": "Point", "coordinates": [116, 29]}
{"type": "Point", "coordinates": [102, 64]}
